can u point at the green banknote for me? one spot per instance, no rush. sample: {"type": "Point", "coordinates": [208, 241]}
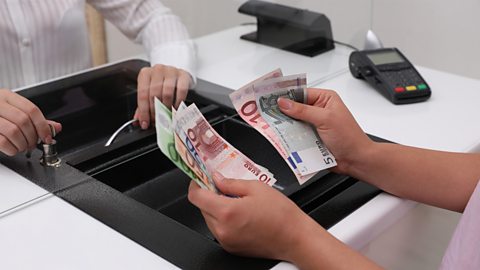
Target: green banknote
{"type": "Point", "coordinates": [166, 139]}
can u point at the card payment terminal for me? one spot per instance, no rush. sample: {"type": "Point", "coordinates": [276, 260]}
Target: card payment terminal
{"type": "Point", "coordinates": [390, 72]}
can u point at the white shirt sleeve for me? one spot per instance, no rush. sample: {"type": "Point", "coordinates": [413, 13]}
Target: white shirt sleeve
{"type": "Point", "coordinates": [154, 26]}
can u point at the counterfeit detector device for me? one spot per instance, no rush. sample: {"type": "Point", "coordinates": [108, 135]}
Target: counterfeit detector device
{"type": "Point", "coordinates": [390, 72]}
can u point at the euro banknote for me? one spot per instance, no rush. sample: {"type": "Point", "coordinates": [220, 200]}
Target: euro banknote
{"type": "Point", "coordinates": [166, 141]}
{"type": "Point", "coordinates": [245, 104]}
{"type": "Point", "coordinates": [297, 142]}
{"type": "Point", "coordinates": [306, 150]}
{"type": "Point", "coordinates": [192, 144]}
{"type": "Point", "coordinates": [216, 153]}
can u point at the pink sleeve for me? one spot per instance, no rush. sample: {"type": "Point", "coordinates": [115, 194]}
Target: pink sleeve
{"type": "Point", "coordinates": [463, 252]}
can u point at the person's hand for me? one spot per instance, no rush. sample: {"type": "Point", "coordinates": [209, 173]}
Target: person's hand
{"type": "Point", "coordinates": [167, 83]}
{"type": "Point", "coordinates": [22, 124]}
{"type": "Point", "coordinates": [334, 123]}
{"type": "Point", "coordinates": [257, 221]}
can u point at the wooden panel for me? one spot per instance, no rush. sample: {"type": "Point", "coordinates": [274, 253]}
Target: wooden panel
{"type": "Point", "coordinates": [96, 27]}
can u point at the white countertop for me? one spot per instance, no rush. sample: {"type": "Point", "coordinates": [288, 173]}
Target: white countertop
{"type": "Point", "coordinates": [447, 121]}
{"type": "Point", "coordinates": [52, 234]}
{"type": "Point", "coordinates": [16, 190]}
{"type": "Point", "coordinates": [227, 60]}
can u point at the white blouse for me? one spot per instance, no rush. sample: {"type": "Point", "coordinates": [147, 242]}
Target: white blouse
{"type": "Point", "coordinates": [44, 39]}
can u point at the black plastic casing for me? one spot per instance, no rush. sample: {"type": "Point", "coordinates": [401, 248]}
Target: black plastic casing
{"type": "Point", "coordinates": [361, 67]}
{"type": "Point", "coordinates": [287, 28]}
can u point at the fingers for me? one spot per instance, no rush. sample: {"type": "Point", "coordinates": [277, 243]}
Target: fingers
{"type": "Point", "coordinates": [183, 84]}
{"type": "Point", "coordinates": [143, 97]}
{"type": "Point", "coordinates": [57, 126]}
{"type": "Point", "coordinates": [169, 84]}
{"type": "Point", "coordinates": [320, 97]}
{"type": "Point", "coordinates": [206, 200]}
{"type": "Point", "coordinates": [303, 112]}
{"type": "Point", "coordinates": [35, 115]}
{"type": "Point", "coordinates": [7, 147]}
{"type": "Point", "coordinates": [193, 186]}
{"type": "Point", "coordinates": [156, 87]}
{"type": "Point", "coordinates": [316, 110]}
{"type": "Point", "coordinates": [135, 116]}
{"type": "Point", "coordinates": [27, 117]}
{"type": "Point", "coordinates": [237, 188]}
{"type": "Point", "coordinates": [12, 140]}
{"type": "Point", "coordinates": [17, 127]}
{"type": "Point", "coordinates": [21, 124]}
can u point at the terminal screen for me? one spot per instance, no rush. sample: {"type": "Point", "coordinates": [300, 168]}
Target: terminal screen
{"type": "Point", "coordinates": [381, 58]}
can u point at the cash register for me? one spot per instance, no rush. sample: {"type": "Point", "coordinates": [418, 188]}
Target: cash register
{"type": "Point", "coordinates": [133, 188]}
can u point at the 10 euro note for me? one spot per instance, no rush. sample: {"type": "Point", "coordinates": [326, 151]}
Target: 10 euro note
{"type": "Point", "coordinates": [307, 153]}
{"type": "Point", "coordinates": [194, 166]}
{"type": "Point", "coordinates": [187, 143]}
{"type": "Point", "coordinates": [245, 104]}
{"type": "Point", "coordinates": [167, 143]}
{"type": "Point", "coordinates": [216, 153]}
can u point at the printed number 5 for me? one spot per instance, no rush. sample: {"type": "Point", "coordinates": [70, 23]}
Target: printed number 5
{"type": "Point", "coordinates": [328, 160]}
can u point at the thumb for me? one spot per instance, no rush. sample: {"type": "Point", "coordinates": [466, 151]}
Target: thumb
{"type": "Point", "coordinates": [232, 187]}
{"type": "Point", "coordinates": [307, 113]}
{"type": "Point", "coordinates": [57, 126]}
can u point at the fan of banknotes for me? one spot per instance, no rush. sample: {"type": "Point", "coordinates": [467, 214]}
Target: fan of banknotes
{"type": "Point", "coordinates": [189, 141]}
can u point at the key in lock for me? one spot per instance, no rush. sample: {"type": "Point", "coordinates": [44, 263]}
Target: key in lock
{"type": "Point", "coordinates": [50, 155]}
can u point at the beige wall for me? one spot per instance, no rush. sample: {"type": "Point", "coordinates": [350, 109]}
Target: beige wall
{"type": "Point", "coordinates": [439, 34]}
{"type": "Point", "coordinates": [208, 16]}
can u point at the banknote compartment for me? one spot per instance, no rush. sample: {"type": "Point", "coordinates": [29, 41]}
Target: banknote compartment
{"type": "Point", "coordinates": [152, 179]}
{"type": "Point", "coordinates": [140, 171]}
{"type": "Point", "coordinates": [82, 108]}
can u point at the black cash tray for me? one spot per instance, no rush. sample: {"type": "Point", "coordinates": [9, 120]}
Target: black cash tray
{"type": "Point", "coordinates": [133, 188]}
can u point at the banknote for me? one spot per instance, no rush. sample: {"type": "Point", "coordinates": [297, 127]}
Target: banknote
{"type": "Point", "coordinates": [245, 104]}
{"type": "Point", "coordinates": [166, 140]}
{"type": "Point", "coordinates": [206, 181]}
{"type": "Point", "coordinates": [307, 153]}
{"type": "Point", "coordinates": [187, 142]}
{"type": "Point", "coordinates": [216, 153]}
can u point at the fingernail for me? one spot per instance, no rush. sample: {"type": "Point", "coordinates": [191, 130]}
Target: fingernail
{"type": "Point", "coordinates": [285, 103]}
{"type": "Point", "coordinates": [144, 125]}
{"type": "Point", "coordinates": [217, 176]}
{"type": "Point", "coordinates": [48, 139]}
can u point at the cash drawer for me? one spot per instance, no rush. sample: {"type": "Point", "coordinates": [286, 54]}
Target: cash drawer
{"type": "Point", "coordinates": [133, 188]}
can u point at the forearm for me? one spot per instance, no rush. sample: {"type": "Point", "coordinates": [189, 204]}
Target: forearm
{"type": "Point", "coordinates": [320, 250]}
{"type": "Point", "coordinates": [442, 179]}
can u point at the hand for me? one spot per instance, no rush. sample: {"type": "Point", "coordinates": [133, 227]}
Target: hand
{"type": "Point", "coordinates": [167, 83]}
{"type": "Point", "coordinates": [22, 124]}
{"type": "Point", "coordinates": [334, 123]}
{"type": "Point", "coordinates": [258, 221]}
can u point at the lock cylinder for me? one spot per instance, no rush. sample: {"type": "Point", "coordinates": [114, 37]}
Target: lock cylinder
{"type": "Point", "coordinates": [50, 156]}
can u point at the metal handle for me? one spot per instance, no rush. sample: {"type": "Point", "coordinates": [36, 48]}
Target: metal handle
{"type": "Point", "coordinates": [115, 134]}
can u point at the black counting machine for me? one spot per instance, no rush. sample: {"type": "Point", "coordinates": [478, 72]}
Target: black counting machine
{"type": "Point", "coordinates": [133, 188]}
